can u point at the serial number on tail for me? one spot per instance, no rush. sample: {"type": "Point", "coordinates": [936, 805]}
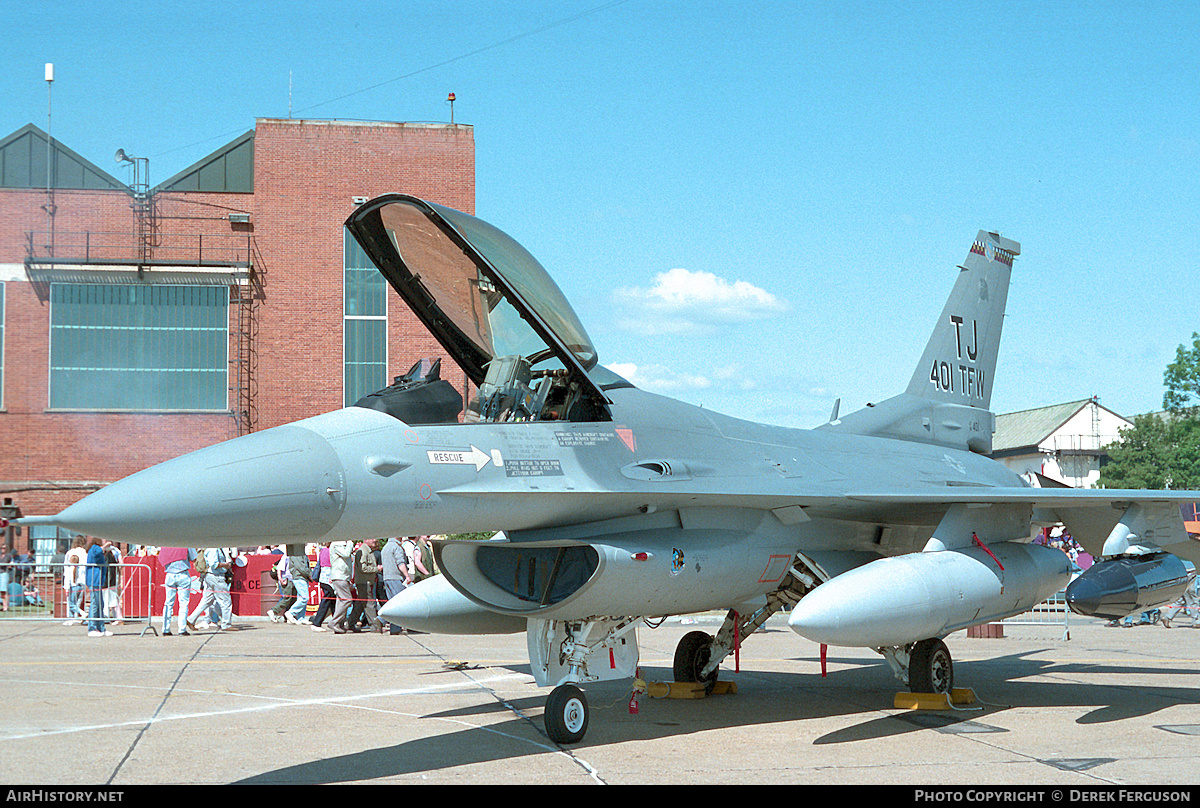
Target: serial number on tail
{"type": "Point", "coordinates": [966, 380]}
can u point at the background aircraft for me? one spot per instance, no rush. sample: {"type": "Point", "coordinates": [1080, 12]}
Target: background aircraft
{"type": "Point", "coordinates": [887, 528]}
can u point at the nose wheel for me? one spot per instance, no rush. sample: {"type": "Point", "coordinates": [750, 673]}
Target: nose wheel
{"type": "Point", "coordinates": [566, 714]}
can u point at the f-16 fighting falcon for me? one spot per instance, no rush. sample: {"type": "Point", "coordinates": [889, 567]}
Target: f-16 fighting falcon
{"type": "Point", "coordinates": [887, 528]}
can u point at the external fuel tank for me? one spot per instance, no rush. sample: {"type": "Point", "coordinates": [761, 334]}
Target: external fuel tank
{"type": "Point", "coordinates": [1126, 585]}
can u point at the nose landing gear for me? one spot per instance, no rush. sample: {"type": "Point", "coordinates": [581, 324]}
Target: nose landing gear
{"type": "Point", "coordinates": [566, 714]}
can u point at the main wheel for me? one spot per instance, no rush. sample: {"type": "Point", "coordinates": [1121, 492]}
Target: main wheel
{"type": "Point", "coordinates": [691, 655]}
{"type": "Point", "coordinates": [930, 668]}
{"type": "Point", "coordinates": [566, 714]}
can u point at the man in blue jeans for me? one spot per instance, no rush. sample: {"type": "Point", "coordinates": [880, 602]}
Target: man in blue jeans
{"type": "Point", "coordinates": [177, 561]}
{"type": "Point", "coordinates": [97, 578]}
{"type": "Point", "coordinates": [395, 572]}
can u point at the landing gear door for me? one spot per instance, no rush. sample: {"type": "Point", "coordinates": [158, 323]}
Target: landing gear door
{"type": "Point", "coordinates": [562, 652]}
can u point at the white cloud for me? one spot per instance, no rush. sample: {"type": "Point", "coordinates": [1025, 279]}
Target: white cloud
{"type": "Point", "coordinates": [682, 301]}
{"type": "Point", "coordinates": [626, 370]}
{"type": "Point", "coordinates": [659, 379]}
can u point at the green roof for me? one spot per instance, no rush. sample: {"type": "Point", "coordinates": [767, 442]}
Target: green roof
{"type": "Point", "coordinates": [229, 169]}
{"type": "Point", "coordinates": [23, 164]}
{"type": "Point", "coordinates": [1031, 427]}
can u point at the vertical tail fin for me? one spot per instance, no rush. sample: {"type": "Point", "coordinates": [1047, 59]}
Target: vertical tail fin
{"type": "Point", "coordinates": [959, 362]}
{"type": "Point", "coordinates": [949, 398]}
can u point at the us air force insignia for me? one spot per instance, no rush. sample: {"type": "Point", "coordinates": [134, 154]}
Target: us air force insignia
{"type": "Point", "coordinates": [677, 561]}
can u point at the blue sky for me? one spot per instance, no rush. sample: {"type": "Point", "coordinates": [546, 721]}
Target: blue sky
{"type": "Point", "coordinates": [755, 206]}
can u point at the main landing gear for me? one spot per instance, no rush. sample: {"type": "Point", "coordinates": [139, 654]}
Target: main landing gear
{"type": "Point", "coordinates": [570, 653]}
{"type": "Point", "coordinates": [692, 656]}
{"type": "Point", "coordinates": [925, 666]}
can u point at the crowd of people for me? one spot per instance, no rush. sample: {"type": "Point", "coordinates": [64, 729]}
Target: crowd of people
{"type": "Point", "coordinates": [352, 581]}
{"type": "Point", "coordinates": [349, 581]}
{"type": "Point", "coordinates": [91, 583]}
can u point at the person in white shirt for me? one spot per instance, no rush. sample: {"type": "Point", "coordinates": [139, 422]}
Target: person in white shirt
{"type": "Point", "coordinates": [73, 583]}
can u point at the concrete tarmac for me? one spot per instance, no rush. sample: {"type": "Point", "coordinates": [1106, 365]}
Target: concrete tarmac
{"type": "Point", "coordinates": [280, 704]}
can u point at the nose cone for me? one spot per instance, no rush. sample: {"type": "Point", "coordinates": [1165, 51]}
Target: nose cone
{"type": "Point", "coordinates": [281, 485]}
{"type": "Point", "coordinates": [435, 606]}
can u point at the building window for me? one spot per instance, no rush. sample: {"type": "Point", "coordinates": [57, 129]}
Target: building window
{"type": "Point", "coordinates": [49, 545]}
{"type": "Point", "coordinates": [139, 347]}
{"type": "Point", "coordinates": [364, 352]}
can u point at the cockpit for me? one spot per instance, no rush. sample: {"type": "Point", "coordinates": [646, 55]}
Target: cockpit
{"type": "Point", "coordinates": [495, 310]}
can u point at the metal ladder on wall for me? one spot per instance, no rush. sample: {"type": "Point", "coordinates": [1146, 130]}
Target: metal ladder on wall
{"type": "Point", "coordinates": [245, 408]}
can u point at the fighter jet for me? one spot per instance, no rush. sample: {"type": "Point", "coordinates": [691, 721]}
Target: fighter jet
{"type": "Point", "coordinates": [613, 507]}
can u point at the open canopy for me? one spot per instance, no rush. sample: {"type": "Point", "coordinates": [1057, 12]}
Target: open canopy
{"type": "Point", "coordinates": [489, 302]}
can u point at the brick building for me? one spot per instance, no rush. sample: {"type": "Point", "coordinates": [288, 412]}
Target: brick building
{"type": "Point", "coordinates": [138, 323]}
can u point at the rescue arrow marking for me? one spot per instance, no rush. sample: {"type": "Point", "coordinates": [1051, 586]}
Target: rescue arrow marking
{"type": "Point", "coordinates": [476, 457]}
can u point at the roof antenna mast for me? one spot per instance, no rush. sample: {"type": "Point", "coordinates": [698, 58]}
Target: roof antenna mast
{"type": "Point", "coordinates": [49, 207]}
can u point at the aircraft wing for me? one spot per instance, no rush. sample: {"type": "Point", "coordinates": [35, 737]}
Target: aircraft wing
{"type": "Point", "coordinates": [1090, 515]}
{"type": "Point", "coordinates": [1037, 497]}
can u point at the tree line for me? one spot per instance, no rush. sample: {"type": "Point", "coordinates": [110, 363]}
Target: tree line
{"type": "Point", "coordinates": [1162, 450]}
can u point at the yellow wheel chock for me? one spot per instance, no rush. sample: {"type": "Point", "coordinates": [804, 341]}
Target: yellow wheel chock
{"type": "Point", "coordinates": [935, 701]}
{"type": "Point", "coordinates": [681, 690]}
